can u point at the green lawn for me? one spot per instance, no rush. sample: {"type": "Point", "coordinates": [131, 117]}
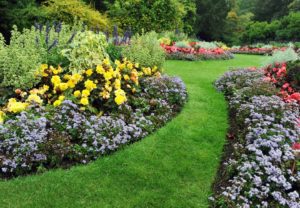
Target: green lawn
{"type": "Point", "coordinates": [172, 168]}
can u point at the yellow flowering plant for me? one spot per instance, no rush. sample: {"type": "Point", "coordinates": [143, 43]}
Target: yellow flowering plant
{"type": "Point", "coordinates": [108, 84]}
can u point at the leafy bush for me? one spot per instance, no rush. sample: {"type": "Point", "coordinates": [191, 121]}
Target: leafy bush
{"type": "Point", "coordinates": [87, 50]}
{"type": "Point", "coordinates": [19, 60]}
{"type": "Point", "coordinates": [145, 50]}
{"type": "Point", "coordinates": [70, 11]}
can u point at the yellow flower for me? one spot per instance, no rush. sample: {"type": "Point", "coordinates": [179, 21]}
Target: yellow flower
{"type": "Point", "coordinates": [137, 65]}
{"type": "Point", "coordinates": [67, 77]}
{"type": "Point", "coordinates": [105, 94]}
{"type": "Point", "coordinates": [133, 90]}
{"type": "Point", "coordinates": [63, 86]}
{"type": "Point", "coordinates": [16, 107]}
{"type": "Point", "coordinates": [120, 97]}
{"type": "Point", "coordinates": [71, 84]}
{"type": "Point", "coordinates": [90, 85]}
{"type": "Point", "coordinates": [57, 103]}
{"type": "Point", "coordinates": [61, 98]}
{"type": "Point", "coordinates": [154, 69]}
{"type": "Point", "coordinates": [120, 100]}
{"type": "Point", "coordinates": [2, 117]}
{"type": "Point", "coordinates": [108, 75]}
{"type": "Point", "coordinates": [44, 89]}
{"type": "Point", "coordinates": [89, 72]}
{"type": "Point", "coordinates": [84, 101]}
{"type": "Point", "coordinates": [85, 93]}
{"type": "Point", "coordinates": [100, 69]}
{"type": "Point", "coordinates": [126, 77]}
{"type": "Point", "coordinates": [117, 62]}
{"type": "Point", "coordinates": [130, 66]}
{"type": "Point", "coordinates": [55, 80]}
{"type": "Point", "coordinates": [147, 71]}
{"type": "Point", "coordinates": [76, 77]}
{"type": "Point", "coordinates": [117, 84]}
{"type": "Point", "coordinates": [34, 98]}
{"type": "Point", "coordinates": [106, 61]}
{"type": "Point", "coordinates": [77, 93]}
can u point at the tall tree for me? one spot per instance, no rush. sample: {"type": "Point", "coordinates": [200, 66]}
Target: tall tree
{"type": "Point", "coordinates": [211, 18]}
{"type": "Point", "coordinates": [268, 10]}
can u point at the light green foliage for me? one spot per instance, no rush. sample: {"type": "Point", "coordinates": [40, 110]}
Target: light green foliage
{"type": "Point", "coordinates": [206, 45]}
{"type": "Point", "coordinates": [87, 50]}
{"type": "Point", "coordinates": [145, 50]}
{"type": "Point", "coordinates": [71, 10]}
{"type": "Point", "coordinates": [20, 60]}
{"type": "Point", "coordinates": [144, 15]}
{"type": "Point", "coordinates": [182, 44]}
{"type": "Point", "coordinates": [282, 56]}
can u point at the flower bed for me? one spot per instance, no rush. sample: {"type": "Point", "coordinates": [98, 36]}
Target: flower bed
{"type": "Point", "coordinates": [255, 50]}
{"type": "Point", "coordinates": [259, 168]}
{"type": "Point", "coordinates": [80, 106]}
{"type": "Point", "coordinates": [194, 53]}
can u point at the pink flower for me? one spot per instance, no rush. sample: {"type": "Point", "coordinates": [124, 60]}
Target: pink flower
{"type": "Point", "coordinates": [286, 85]}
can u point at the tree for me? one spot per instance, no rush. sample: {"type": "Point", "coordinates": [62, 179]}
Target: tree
{"type": "Point", "coordinates": [268, 10]}
{"type": "Point", "coordinates": [17, 12]}
{"type": "Point", "coordinates": [147, 15]}
{"type": "Point", "coordinates": [211, 18]}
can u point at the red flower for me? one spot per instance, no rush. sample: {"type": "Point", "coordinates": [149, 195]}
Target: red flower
{"type": "Point", "coordinates": [296, 146]}
{"type": "Point", "coordinates": [294, 96]}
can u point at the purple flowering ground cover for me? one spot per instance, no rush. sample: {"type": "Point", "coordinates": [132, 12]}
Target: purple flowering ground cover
{"type": "Point", "coordinates": [256, 171]}
{"type": "Point", "coordinates": [173, 167]}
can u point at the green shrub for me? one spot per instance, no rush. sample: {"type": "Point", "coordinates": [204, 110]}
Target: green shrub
{"type": "Point", "coordinates": [70, 11]}
{"type": "Point", "coordinates": [145, 50]}
{"type": "Point", "coordinates": [20, 60]}
{"type": "Point", "coordinates": [87, 50]}
{"type": "Point", "coordinates": [174, 36]}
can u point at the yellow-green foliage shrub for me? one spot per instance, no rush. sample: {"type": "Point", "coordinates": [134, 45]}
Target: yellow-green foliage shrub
{"type": "Point", "coordinates": [70, 10]}
{"type": "Point", "coordinates": [87, 50]}
{"type": "Point", "coordinates": [145, 50]}
{"type": "Point", "coordinates": [20, 59]}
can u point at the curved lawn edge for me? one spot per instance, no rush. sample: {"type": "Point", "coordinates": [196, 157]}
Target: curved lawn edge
{"type": "Point", "coordinates": [174, 167]}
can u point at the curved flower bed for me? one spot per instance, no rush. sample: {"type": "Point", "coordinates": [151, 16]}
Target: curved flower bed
{"type": "Point", "coordinates": [73, 103]}
{"type": "Point", "coordinates": [192, 53]}
{"type": "Point", "coordinates": [259, 167]}
{"type": "Point", "coordinates": [44, 137]}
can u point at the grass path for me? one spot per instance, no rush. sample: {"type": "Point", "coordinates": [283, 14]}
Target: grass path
{"type": "Point", "coordinates": [174, 167]}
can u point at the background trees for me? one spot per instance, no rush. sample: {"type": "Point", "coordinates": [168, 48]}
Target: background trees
{"type": "Point", "coordinates": [232, 21]}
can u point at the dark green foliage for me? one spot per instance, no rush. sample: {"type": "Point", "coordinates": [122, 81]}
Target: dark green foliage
{"type": "Point", "coordinates": [211, 18]}
{"type": "Point", "coordinates": [17, 12]}
{"type": "Point", "coordinates": [114, 52]}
